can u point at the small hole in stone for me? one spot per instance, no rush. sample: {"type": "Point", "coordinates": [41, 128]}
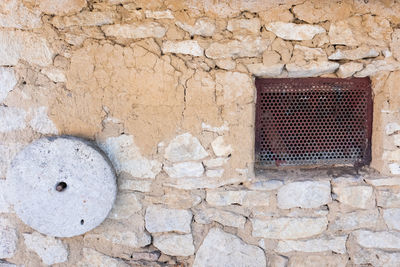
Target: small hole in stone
{"type": "Point", "coordinates": [82, 222]}
{"type": "Point", "coordinates": [61, 186]}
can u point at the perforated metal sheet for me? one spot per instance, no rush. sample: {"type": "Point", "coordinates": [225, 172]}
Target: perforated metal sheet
{"type": "Point", "coordinates": [313, 121]}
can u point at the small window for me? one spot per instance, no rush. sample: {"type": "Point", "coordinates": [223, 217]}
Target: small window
{"type": "Point", "coordinates": [313, 121]}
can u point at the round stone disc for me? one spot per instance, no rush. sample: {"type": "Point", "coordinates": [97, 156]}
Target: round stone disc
{"type": "Point", "coordinates": [62, 186]}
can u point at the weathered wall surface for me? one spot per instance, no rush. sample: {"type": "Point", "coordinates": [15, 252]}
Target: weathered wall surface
{"type": "Point", "coordinates": [166, 89]}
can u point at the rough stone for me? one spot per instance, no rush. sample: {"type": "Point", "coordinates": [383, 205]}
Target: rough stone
{"type": "Point", "coordinates": [226, 64]}
{"type": "Point", "coordinates": [227, 218]}
{"type": "Point", "coordinates": [126, 157]}
{"type": "Point", "coordinates": [12, 119]}
{"type": "Point", "coordinates": [308, 194]}
{"type": "Point", "coordinates": [390, 181]}
{"type": "Point", "coordinates": [392, 128]}
{"type": "Point", "coordinates": [185, 147]}
{"type": "Point", "coordinates": [242, 197]}
{"type": "Point", "coordinates": [125, 206]}
{"type": "Point", "coordinates": [317, 261]}
{"type": "Point", "coordinates": [185, 169]}
{"type": "Point", "coordinates": [215, 163]}
{"type": "Point", "coordinates": [93, 258]}
{"type": "Point", "coordinates": [4, 204]}
{"type": "Point", "coordinates": [315, 12]}
{"type": "Point", "coordinates": [7, 264]}
{"type": "Point", "coordinates": [262, 70]}
{"type": "Point", "coordinates": [301, 53]}
{"type": "Point", "coordinates": [159, 219]}
{"type": "Point", "coordinates": [387, 64]}
{"type": "Point", "coordinates": [394, 168]}
{"type": "Point", "coordinates": [135, 30]}
{"type": "Point", "coordinates": [361, 197]}
{"type": "Point", "coordinates": [354, 54]}
{"type": "Point", "coordinates": [16, 45]}
{"type": "Point", "coordinates": [9, 239]}
{"type": "Point", "coordinates": [232, 87]}
{"type": "Point", "coordinates": [311, 69]}
{"type": "Point", "coordinates": [223, 249]}
{"type": "Point", "coordinates": [164, 14]}
{"type": "Point", "coordinates": [355, 220]}
{"type": "Point", "coordinates": [204, 182]}
{"type": "Point", "coordinates": [291, 31]}
{"type": "Point", "coordinates": [188, 47]}
{"type": "Point", "coordinates": [388, 198]}
{"type": "Point", "coordinates": [250, 25]}
{"type": "Point", "coordinates": [335, 244]}
{"type": "Point", "coordinates": [203, 27]}
{"type": "Point", "coordinates": [395, 44]}
{"type": "Point", "coordinates": [61, 7]}
{"type": "Point", "coordinates": [41, 123]}
{"type": "Point", "coordinates": [289, 228]}
{"type": "Point", "coordinates": [220, 148]}
{"type": "Point", "coordinates": [49, 249]}
{"type": "Point", "coordinates": [176, 199]}
{"type": "Point", "coordinates": [56, 75]}
{"type": "Point", "coordinates": [15, 15]}
{"type": "Point", "coordinates": [84, 18]}
{"type": "Point", "coordinates": [215, 173]}
{"type": "Point", "coordinates": [383, 240]}
{"type": "Point", "coordinates": [175, 245]}
{"type": "Point", "coordinates": [7, 82]}
{"type": "Point", "coordinates": [348, 69]}
{"type": "Point", "coordinates": [134, 185]}
{"type": "Point", "coordinates": [392, 218]}
{"type": "Point", "coordinates": [8, 152]}
{"type": "Point", "coordinates": [266, 185]}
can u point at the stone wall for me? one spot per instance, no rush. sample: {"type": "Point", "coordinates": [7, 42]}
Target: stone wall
{"type": "Point", "coordinates": [166, 89]}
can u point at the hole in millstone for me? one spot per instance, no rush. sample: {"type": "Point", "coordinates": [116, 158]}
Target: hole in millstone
{"type": "Point", "coordinates": [82, 222]}
{"type": "Point", "coordinates": [61, 186]}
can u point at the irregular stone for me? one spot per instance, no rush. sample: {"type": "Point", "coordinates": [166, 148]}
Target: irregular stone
{"type": "Point", "coordinates": [220, 148]}
{"type": "Point", "coordinates": [187, 47]}
{"type": "Point", "coordinates": [291, 31]}
{"type": "Point", "coordinates": [215, 129]}
{"type": "Point", "coordinates": [176, 199]}
{"type": "Point", "coordinates": [384, 181]}
{"type": "Point", "coordinates": [355, 220]}
{"type": "Point", "coordinates": [126, 157]}
{"type": "Point", "coordinates": [7, 264]}
{"type": "Point", "coordinates": [226, 64]}
{"type": "Point", "coordinates": [223, 249]}
{"type": "Point", "coordinates": [387, 64]}
{"type": "Point", "coordinates": [388, 198]}
{"type": "Point", "coordinates": [61, 7]}
{"type": "Point", "coordinates": [49, 249]}
{"type": "Point", "coordinates": [204, 182]}
{"type": "Point", "coordinates": [164, 14]}
{"type": "Point", "coordinates": [315, 12]}
{"type": "Point", "coordinates": [289, 228]}
{"type": "Point", "coordinates": [247, 46]}
{"type": "Point", "coordinates": [312, 69]}
{"type": "Point", "coordinates": [396, 140]}
{"type": "Point", "coordinates": [202, 26]}
{"type": "Point", "coordinates": [392, 128]}
{"type": "Point", "coordinates": [383, 240]}
{"type": "Point", "coordinates": [7, 82]}
{"type": "Point", "coordinates": [85, 18]}
{"type": "Point", "coordinates": [16, 45]}
{"type": "Point", "coordinates": [306, 53]}
{"type": "Point", "coordinates": [394, 168]}
{"type": "Point", "coordinates": [9, 239]}
{"type": "Point", "coordinates": [56, 75]}
{"type": "Point", "coordinates": [93, 258]}
{"type": "Point", "coordinates": [125, 206]}
{"type": "Point", "coordinates": [336, 244]}
{"type": "Point", "coordinates": [318, 261]}
{"type": "Point", "coordinates": [308, 194]}
{"type": "Point", "coordinates": [159, 219]}
{"type": "Point", "coordinates": [135, 30]}
{"type": "Point", "coordinates": [392, 218]}
{"type": "Point", "coordinates": [250, 25]}
{"type": "Point", "coordinates": [4, 204]}
{"type": "Point", "coordinates": [267, 185]}
{"type": "Point", "coordinates": [348, 69]}
{"type": "Point", "coordinates": [215, 173]}
{"type": "Point", "coordinates": [175, 245]}
{"type": "Point", "coordinates": [261, 70]}
{"type": "Point", "coordinates": [361, 197]}
{"type": "Point", "coordinates": [146, 256]}
{"type": "Point", "coordinates": [242, 197]}
{"type": "Point", "coordinates": [227, 218]}
{"type": "Point", "coordinates": [15, 15]}
{"type": "Point", "coordinates": [41, 123]}
{"type": "Point", "coordinates": [185, 169]}
{"type": "Point", "coordinates": [271, 57]}
{"type": "Point", "coordinates": [395, 44]}
{"type": "Point", "coordinates": [354, 54]}
{"type": "Point", "coordinates": [283, 48]}
{"type": "Point", "coordinates": [134, 185]}
{"type": "Point", "coordinates": [232, 87]}
{"type": "Point", "coordinates": [12, 119]}
{"type": "Point", "coordinates": [185, 147]}
{"type": "Point", "coordinates": [215, 163]}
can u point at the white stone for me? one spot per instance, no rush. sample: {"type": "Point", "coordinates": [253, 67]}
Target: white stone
{"type": "Point", "coordinates": [135, 30]}
{"type": "Point", "coordinates": [54, 74]}
{"type": "Point", "coordinates": [388, 199]}
{"type": "Point", "coordinates": [7, 82]}
{"type": "Point", "coordinates": [185, 147]}
{"type": "Point", "coordinates": [4, 204]}
{"type": "Point", "coordinates": [126, 157]}
{"type": "Point", "coordinates": [85, 18]}
{"type": "Point", "coordinates": [41, 123]}
{"type": "Point", "coordinates": [262, 70]}
{"type": "Point", "coordinates": [15, 15]}
{"type": "Point", "coordinates": [315, 260]}
{"type": "Point", "coordinates": [308, 53]}
{"type": "Point", "coordinates": [361, 197]}
{"type": "Point", "coordinates": [395, 44]}
{"type": "Point", "coordinates": [355, 220]}
{"type": "Point", "coordinates": [8, 238]}
{"type": "Point", "coordinates": [215, 129]}
{"type": "Point", "coordinates": [215, 173]}
{"type": "Point", "coordinates": [248, 46]}
{"type": "Point", "coordinates": [354, 54]}
{"type": "Point", "coordinates": [241, 197]}
{"type": "Point", "coordinates": [204, 182]}
{"type": "Point", "coordinates": [61, 7]}
{"type": "Point", "coordinates": [87, 198]}
{"type": "Point", "coordinates": [220, 148]}
{"type": "Point", "coordinates": [12, 119]}
{"type": "Point", "coordinates": [175, 245]}
{"type": "Point", "coordinates": [16, 45]}
{"type": "Point", "coordinates": [49, 249]}
{"type": "Point", "coordinates": [134, 185]}
{"type": "Point", "coordinates": [375, 257]}
{"type": "Point", "coordinates": [307, 194]}
{"type": "Point", "coordinates": [7, 153]}
{"type": "Point", "coordinates": [266, 185]}
{"type": "Point", "coordinates": [387, 64]}
{"type": "Point", "coordinates": [289, 228]}
{"type": "Point", "coordinates": [203, 27]}
{"type": "Point", "coordinates": [225, 64]}
{"type": "Point", "coordinates": [250, 25]}
{"type": "Point", "coordinates": [311, 69]}
{"type": "Point", "coordinates": [164, 14]}
{"type": "Point", "coordinates": [396, 140]}
{"type": "Point", "coordinates": [382, 240]}
{"type": "Point", "coordinates": [187, 47]}
{"type": "Point", "coordinates": [176, 199]}
{"type": "Point", "coordinates": [215, 163]}
{"type": "Point", "coordinates": [223, 217]}
{"type": "Point", "coordinates": [392, 128]}
{"type": "Point", "coordinates": [159, 219]}
{"type": "Point", "coordinates": [384, 181]}
{"type": "Point", "coordinates": [125, 206]}
{"type": "Point", "coordinates": [394, 168]}
{"type": "Point", "coordinates": [392, 218]}
{"type": "Point", "coordinates": [291, 31]}
{"type": "Point", "coordinates": [348, 69]}
{"type": "Point", "coordinates": [233, 87]}
{"type": "Point", "coordinates": [7, 264]}
{"type": "Point", "coordinates": [93, 258]}
{"type": "Point", "coordinates": [223, 249]}
{"type": "Point", "coordinates": [336, 244]}
{"type": "Point", "coordinates": [185, 169]}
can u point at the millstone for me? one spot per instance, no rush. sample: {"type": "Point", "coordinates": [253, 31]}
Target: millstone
{"type": "Point", "coordinates": [62, 186]}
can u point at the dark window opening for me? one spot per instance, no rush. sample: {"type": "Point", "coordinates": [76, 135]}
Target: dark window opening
{"type": "Point", "coordinates": [313, 121]}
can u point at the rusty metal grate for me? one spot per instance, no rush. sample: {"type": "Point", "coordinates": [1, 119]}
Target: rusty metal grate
{"type": "Point", "coordinates": [313, 121]}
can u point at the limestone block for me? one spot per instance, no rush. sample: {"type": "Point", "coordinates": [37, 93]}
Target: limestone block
{"type": "Point", "coordinates": [41, 123]}
{"type": "Point", "coordinates": [215, 173]}
{"type": "Point", "coordinates": [292, 31]}
{"type": "Point", "coordinates": [4, 204]}
{"type": "Point", "coordinates": [267, 185]}
{"type": "Point", "coordinates": [202, 26]}
{"type": "Point", "coordinates": [354, 54]}
{"type": "Point", "coordinates": [125, 206]}
{"type": "Point", "coordinates": [188, 47]}
{"type": "Point", "coordinates": [388, 198]}
{"type": "Point", "coordinates": [392, 218]}
{"type": "Point", "coordinates": [220, 148]}
{"type": "Point", "coordinates": [250, 25]}
{"type": "Point", "coordinates": [174, 244]}
{"type": "Point", "coordinates": [384, 181]}
{"type": "Point", "coordinates": [9, 239]}
{"type": "Point", "coordinates": [223, 249]}
{"type": "Point", "coordinates": [247, 46]}
{"type": "Point", "coordinates": [271, 57]}
{"type": "Point", "coordinates": [7, 82]}
{"type": "Point", "coordinates": [204, 182]}
{"type": "Point", "coordinates": [185, 169]}
{"type": "Point", "coordinates": [14, 14]}
{"type": "Point", "coordinates": [12, 119]}
{"type": "Point", "coordinates": [392, 128]}
{"type": "Point", "coordinates": [336, 244]}
{"type": "Point", "coordinates": [6, 264]}
{"type": "Point", "coordinates": [355, 220]}
{"type": "Point", "coordinates": [56, 75]}
{"type": "Point", "coordinates": [318, 261]}
{"type": "Point", "coordinates": [176, 199]}
{"type": "Point", "coordinates": [289, 228]}
{"type": "Point", "coordinates": [241, 197]}
{"type": "Point", "coordinates": [226, 64]}
{"type": "Point", "coordinates": [301, 52]}
{"type": "Point", "coordinates": [134, 185]}
{"type": "Point", "coordinates": [93, 258]}
{"type": "Point", "coordinates": [227, 218]}
{"type": "Point", "coordinates": [162, 14]}
{"type": "Point", "coordinates": [61, 7]}
{"type": "Point", "coordinates": [215, 163]}
{"type": "Point", "coordinates": [382, 240]}
{"type": "Point", "coordinates": [185, 147]}
{"type": "Point", "coordinates": [49, 249]}
{"type": "Point", "coordinates": [387, 64]}
{"type": "Point", "coordinates": [159, 219]}
{"type": "Point", "coordinates": [361, 197]}
{"type": "Point", "coordinates": [261, 70]}
{"type": "Point", "coordinates": [308, 194]}
{"type": "Point", "coordinates": [348, 69]}
{"type": "Point", "coordinates": [85, 18]}
{"type": "Point", "coordinates": [395, 44]}
{"type": "Point", "coordinates": [233, 87]}
{"type": "Point", "coordinates": [135, 30]}
{"type": "Point", "coordinates": [311, 69]}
